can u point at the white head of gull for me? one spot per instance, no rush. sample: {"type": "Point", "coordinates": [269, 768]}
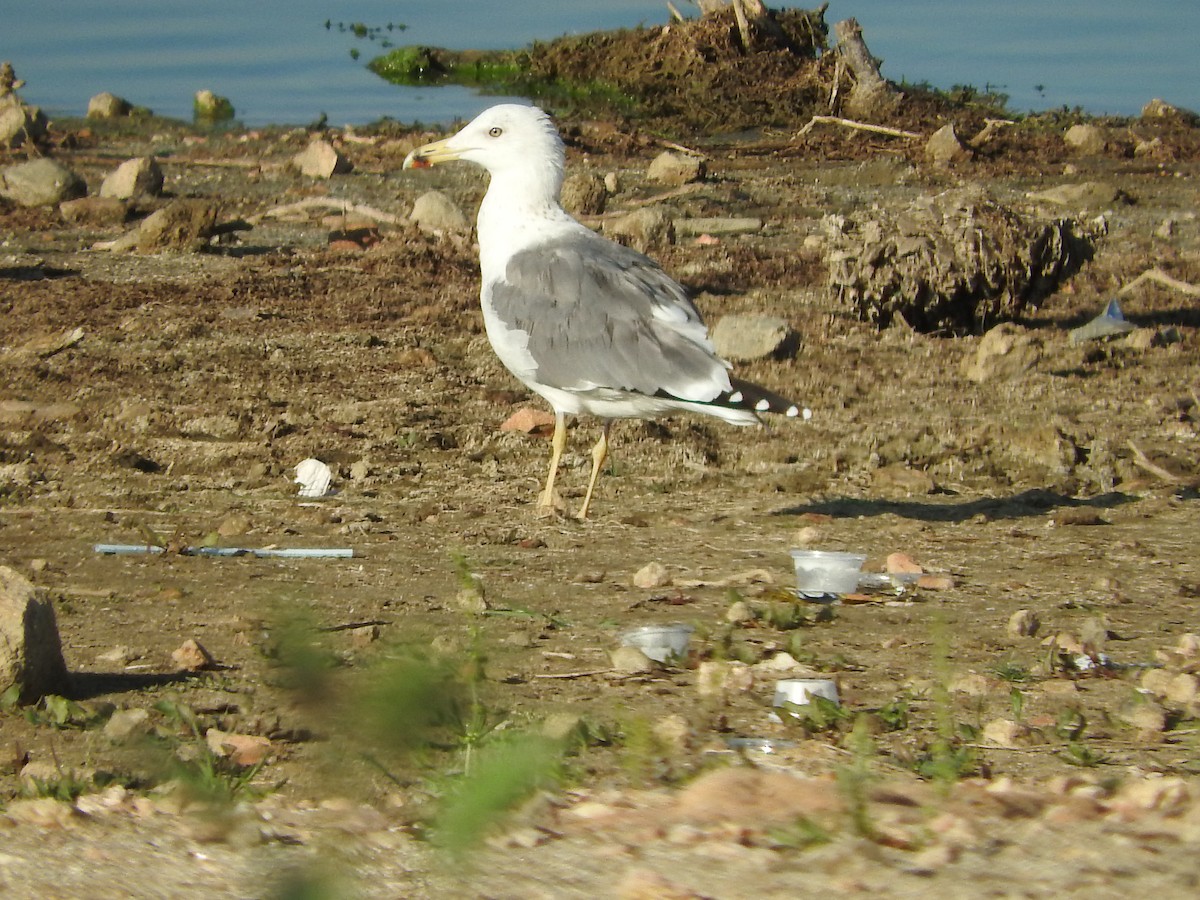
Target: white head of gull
{"type": "Point", "coordinates": [593, 327]}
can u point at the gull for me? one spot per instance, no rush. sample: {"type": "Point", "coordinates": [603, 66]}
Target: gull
{"type": "Point", "coordinates": [593, 327]}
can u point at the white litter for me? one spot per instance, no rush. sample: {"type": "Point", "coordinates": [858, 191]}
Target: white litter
{"type": "Point", "coordinates": [314, 478]}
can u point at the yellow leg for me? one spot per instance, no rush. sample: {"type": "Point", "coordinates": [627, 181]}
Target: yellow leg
{"type": "Point", "coordinates": [599, 455]}
{"type": "Point", "coordinates": [546, 505]}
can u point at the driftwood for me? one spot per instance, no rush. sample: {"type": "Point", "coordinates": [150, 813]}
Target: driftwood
{"type": "Point", "coordinates": [1158, 276]}
{"type": "Point", "coordinates": [871, 96]}
{"type": "Point", "coordinates": [857, 126]}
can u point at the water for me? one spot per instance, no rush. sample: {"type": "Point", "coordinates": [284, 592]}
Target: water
{"type": "Point", "coordinates": [278, 63]}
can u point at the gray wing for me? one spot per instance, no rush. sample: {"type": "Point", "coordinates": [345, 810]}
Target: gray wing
{"type": "Point", "coordinates": [602, 315]}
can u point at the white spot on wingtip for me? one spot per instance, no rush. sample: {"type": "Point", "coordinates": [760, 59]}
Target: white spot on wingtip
{"type": "Point", "coordinates": [806, 414]}
{"type": "Point", "coordinates": [792, 412]}
{"type": "Point", "coordinates": [762, 406]}
{"type": "Point", "coordinates": [735, 397]}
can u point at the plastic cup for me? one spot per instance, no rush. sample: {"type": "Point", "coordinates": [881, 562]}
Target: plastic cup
{"type": "Point", "coordinates": [827, 571]}
{"type": "Point", "coordinates": [662, 643]}
{"type": "Point", "coordinates": [799, 691]}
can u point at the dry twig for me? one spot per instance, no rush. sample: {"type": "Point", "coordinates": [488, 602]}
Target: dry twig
{"type": "Point", "coordinates": [344, 207]}
{"type": "Point", "coordinates": [1158, 276]}
{"type": "Point", "coordinates": [1143, 462]}
{"type": "Point", "coordinates": [857, 126]}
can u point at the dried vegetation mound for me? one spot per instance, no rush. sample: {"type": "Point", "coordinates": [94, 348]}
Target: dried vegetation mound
{"type": "Point", "coordinates": [700, 69]}
{"type": "Point", "coordinates": [958, 261]}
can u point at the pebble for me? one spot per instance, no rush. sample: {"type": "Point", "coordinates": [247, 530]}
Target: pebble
{"type": "Point", "coordinates": [435, 213]}
{"type": "Point", "coordinates": [40, 182]}
{"type": "Point", "coordinates": [721, 678]}
{"type": "Point", "coordinates": [137, 177]}
{"type": "Point", "coordinates": [320, 159]}
{"type": "Point", "coordinates": [1087, 140]}
{"type": "Point", "coordinates": [94, 211]}
{"type": "Point", "coordinates": [108, 106]}
{"type": "Point", "coordinates": [631, 661]}
{"type": "Point", "coordinates": [1007, 733]}
{"type": "Point", "coordinates": [652, 575]}
{"type": "Point", "coordinates": [743, 337]}
{"type": "Point", "coordinates": [126, 723]}
{"type": "Point", "coordinates": [1005, 353]}
{"type": "Point", "coordinates": [644, 229]}
{"type": "Point", "coordinates": [529, 420]}
{"type": "Point", "coordinates": [30, 648]}
{"type": "Point", "coordinates": [945, 149]}
{"type": "Point", "coordinates": [1023, 623]}
{"type": "Point", "coordinates": [584, 194]}
{"type": "Point", "coordinates": [674, 168]}
{"type": "Point", "coordinates": [190, 656]}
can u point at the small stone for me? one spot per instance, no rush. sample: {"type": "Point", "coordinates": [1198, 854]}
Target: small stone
{"type": "Point", "coordinates": [1007, 733]}
{"type": "Point", "coordinates": [184, 225]}
{"type": "Point", "coordinates": [944, 148]}
{"type": "Point", "coordinates": [644, 229]}
{"type": "Point", "coordinates": [138, 177]}
{"type": "Point", "coordinates": [935, 582]}
{"type": "Point", "coordinates": [1144, 714]}
{"type": "Point", "coordinates": [567, 727]}
{"type": "Point", "coordinates": [584, 194]}
{"type": "Point", "coordinates": [1058, 688]}
{"type": "Point", "coordinates": [1005, 353]}
{"type": "Point", "coordinates": [739, 611]}
{"type": "Point", "coordinates": [30, 648]}
{"type": "Point", "coordinates": [108, 106]}
{"type": "Point", "coordinates": [721, 678]}
{"type": "Point", "coordinates": [717, 227]}
{"type": "Point", "coordinates": [901, 480]}
{"type": "Point", "coordinates": [210, 107]}
{"type": "Point", "coordinates": [1158, 108]}
{"type": "Point", "coordinates": [127, 723]}
{"type": "Point", "coordinates": [652, 575]}
{"type": "Point", "coordinates": [807, 535]}
{"type": "Point", "coordinates": [529, 420]}
{"type": "Point", "coordinates": [435, 213]}
{"type": "Point", "coordinates": [1087, 140]}
{"type": "Point", "coordinates": [1183, 688]}
{"type": "Point", "coordinates": [631, 661]}
{"type": "Point", "coordinates": [744, 337]}
{"type": "Point", "coordinates": [1078, 515]}
{"type": "Point", "coordinates": [1157, 681]}
{"type": "Point", "coordinates": [612, 183]}
{"type": "Point", "coordinates": [320, 159]}
{"type": "Point", "coordinates": [235, 524]}
{"type": "Point", "coordinates": [190, 656]}
{"type": "Point", "coordinates": [1085, 195]}
{"type": "Point", "coordinates": [40, 182]}
{"type": "Point", "coordinates": [673, 732]}
{"type": "Point", "coordinates": [101, 212]}
{"type": "Point", "coordinates": [242, 749]}
{"type": "Point", "coordinates": [973, 685]}
{"type": "Point", "coordinates": [364, 636]}
{"type": "Point", "coordinates": [902, 564]}
{"type": "Point", "coordinates": [674, 168]}
{"type": "Point", "coordinates": [1023, 623]}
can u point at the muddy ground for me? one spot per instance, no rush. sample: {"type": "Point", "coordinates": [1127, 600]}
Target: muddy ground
{"type": "Point", "coordinates": [202, 379]}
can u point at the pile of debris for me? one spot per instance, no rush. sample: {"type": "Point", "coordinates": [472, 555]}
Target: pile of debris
{"type": "Point", "coordinates": [957, 261]}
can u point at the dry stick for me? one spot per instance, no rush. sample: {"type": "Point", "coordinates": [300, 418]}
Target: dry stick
{"type": "Point", "coordinates": [1142, 461]}
{"type": "Point", "coordinates": [577, 674]}
{"type": "Point", "coordinates": [1158, 276]}
{"type": "Point", "coordinates": [858, 126]}
{"type": "Point", "coordinates": [342, 206]}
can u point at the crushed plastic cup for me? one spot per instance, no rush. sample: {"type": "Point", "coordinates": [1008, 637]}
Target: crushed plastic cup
{"type": "Point", "coordinates": [799, 691]}
{"type": "Point", "coordinates": [662, 643]}
{"type": "Point", "coordinates": [827, 571]}
{"type": "Point", "coordinates": [314, 478]}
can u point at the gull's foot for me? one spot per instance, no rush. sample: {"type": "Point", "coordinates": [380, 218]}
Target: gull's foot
{"type": "Point", "coordinates": [549, 506]}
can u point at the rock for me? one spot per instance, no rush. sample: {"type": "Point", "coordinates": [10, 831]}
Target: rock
{"type": "Point", "coordinates": [631, 661]}
{"type": "Point", "coordinates": [210, 107]}
{"type": "Point", "coordinates": [1144, 714]}
{"type": "Point", "coordinates": [30, 649]}
{"type": "Point", "coordinates": [1183, 688]}
{"type": "Point", "coordinates": [901, 480]}
{"type": "Point", "coordinates": [1086, 140]}
{"type": "Point", "coordinates": [529, 420]}
{"type": "Point", "coordinates": [1010, 734]}
{"type": "Point", "coordinates": [674, 168]}
{"type": "Point", "coordinates": [761, 797]}
{"type": "Point", "coordinates": [1157, 681]}
{"type": "Point", "coordinates": [973, 684]}
{"type": "Point", "coordinates": [673, 732]}
{"type": "Point", "coordinates": [320, 159]}
{"type": "Point", "coordinates": [1005, 353]}
{"type": "Point", "coordinates": [1161, 109]}
{"type": "Point", "coordinates": [40, 182]}
{"type": "Point", "coordinates": [652, 575]}
{"type": "Point", "coordinates": [108, 106]}
{"type": "Point", "coordinates": [127, 723]}
{"type": "Point", "coordinates": [720, 678]}
{"type": "Point", "coordinates": [19, 123]}
{"type": "Point", "coordinates": [584, 194]}
{"type": "Point", "coordinates": [902, 564]}
{"type": "Point", "coordinates": [739, 611]}
{"type": "Point", "coordinates": [235, 524]}
{"type": "Point", "coordinates": [643, 230]}
{"type": "Point", "coordinates": [1083, 195]}
{"type": "Point", "coordinates": [190, 656]}
{"type": "Point", "coordinates": [565, 727]}
{"type": "Point", "coordinates": [1166, 796]}
{"type": "Point", "coordinates": [717, 227]}
{"type": "Point", "coordinates": [435, 213]}
{"type": "Point", "coordinates": [1023, 623]}
{"type": "Point", "coordinates": [944, 148]}
{"type": "Point", "coordinates": [742, 337]}
{"type": "Point", "coordinates": [935, 582]}
{"type": "Point", "coordinates": [242, 749]}
{"type": "Point", "coordinates": [184, 226]}
{"type": "Point", "coordinates": [98, 212]}
{"type": "Point", "coordinates": [139, 177]}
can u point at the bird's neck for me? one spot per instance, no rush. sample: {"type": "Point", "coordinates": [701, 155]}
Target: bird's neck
{"type": "Point", "coordinates": [517, 212]}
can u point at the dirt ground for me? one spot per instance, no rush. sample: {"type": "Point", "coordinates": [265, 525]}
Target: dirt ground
{"type": "Point", "coordinates": [202, 379]}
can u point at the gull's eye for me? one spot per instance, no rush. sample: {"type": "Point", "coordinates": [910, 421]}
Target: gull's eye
{"type": "Point", "coordinates": [495, 131]}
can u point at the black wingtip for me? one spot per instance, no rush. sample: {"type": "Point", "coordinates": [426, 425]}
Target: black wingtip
{"type": "Point", "coordinates": [749, 396]}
